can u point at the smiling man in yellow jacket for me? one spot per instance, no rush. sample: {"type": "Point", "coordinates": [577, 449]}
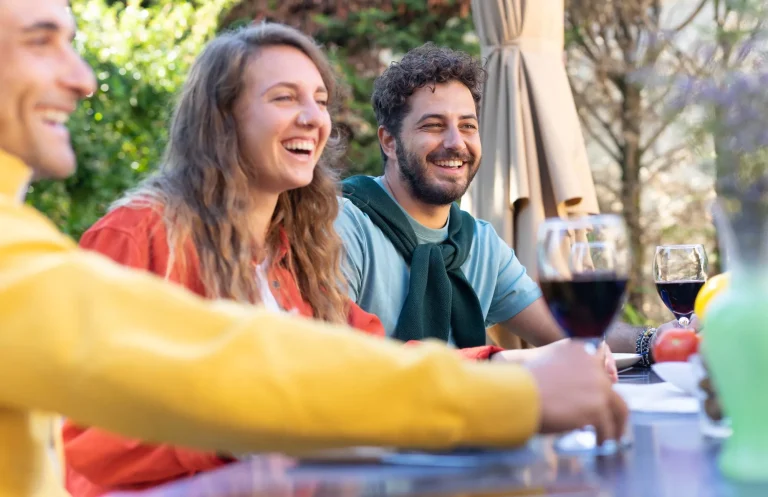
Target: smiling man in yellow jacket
{"type": "Point", "coordinates": [123, 350]}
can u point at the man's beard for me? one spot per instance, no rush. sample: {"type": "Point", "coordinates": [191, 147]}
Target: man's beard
{"type": "Point", "coordinates": [415, 174]}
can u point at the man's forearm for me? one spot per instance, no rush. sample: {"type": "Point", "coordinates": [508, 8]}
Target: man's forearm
{"type": "Point", "coordinates": [622, 337]}
{"type": "Point", "coordinates": [534, 324]}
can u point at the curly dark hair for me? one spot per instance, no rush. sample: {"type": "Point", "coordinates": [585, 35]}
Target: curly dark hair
{"type": "Point", "coordinates": [422, 66]}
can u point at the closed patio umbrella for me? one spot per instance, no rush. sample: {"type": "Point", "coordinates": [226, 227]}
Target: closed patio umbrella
{"type": "Point", "coordinates": [534, 160]}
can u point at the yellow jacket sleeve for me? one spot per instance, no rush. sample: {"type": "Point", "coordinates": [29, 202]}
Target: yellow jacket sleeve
{"type": "Point", "coordinates": [125, 351]}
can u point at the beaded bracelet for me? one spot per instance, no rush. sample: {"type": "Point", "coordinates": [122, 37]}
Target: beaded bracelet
{"type": "Point", "coordinates": [643, 346]}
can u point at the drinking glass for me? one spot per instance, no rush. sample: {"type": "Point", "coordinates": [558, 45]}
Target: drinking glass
{"type": "Point", "coordinates": [679, 272]}
{"type": "Point", "coordinates": [583, 267]}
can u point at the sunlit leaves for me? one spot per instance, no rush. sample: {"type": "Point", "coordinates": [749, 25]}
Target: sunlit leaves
{"type": "Point", "coordinates": [140, 58]}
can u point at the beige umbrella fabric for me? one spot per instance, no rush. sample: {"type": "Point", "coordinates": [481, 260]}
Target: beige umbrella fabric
{"type": "Point", "coordinates": [534, 160]}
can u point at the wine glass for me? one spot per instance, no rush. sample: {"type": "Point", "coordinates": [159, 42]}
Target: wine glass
{"type": "Point", "coordinates": [583, 268]}
{"type": "Point", "coordinates": [679, 272]}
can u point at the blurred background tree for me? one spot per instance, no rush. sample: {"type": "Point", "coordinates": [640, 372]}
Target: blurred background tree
{"type": "Point", "coordinates": [141, 51]}
{"type": "Point", "coordinates": [627, 61]}
{"type": "Point", "coordinates": [616, 52]}
{"type": "Point", "coordinates": [642, 74]}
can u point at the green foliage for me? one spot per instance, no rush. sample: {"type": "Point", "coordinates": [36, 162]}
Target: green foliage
{"type": "Point", "coordinates": [141, 52]}
{"type": "Point", "coordinates": [358, 120]}
{"type": "Point", "coordinates": [633, 317]}
{"type": "Point", "coordinates": [140, 56]}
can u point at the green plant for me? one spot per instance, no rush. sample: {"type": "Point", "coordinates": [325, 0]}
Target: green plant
{"type": "Point", "coordinates": [140, 56]}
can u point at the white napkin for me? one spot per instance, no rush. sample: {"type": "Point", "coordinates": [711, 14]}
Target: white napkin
{"type": "Point", "coordinates": [656, 397]}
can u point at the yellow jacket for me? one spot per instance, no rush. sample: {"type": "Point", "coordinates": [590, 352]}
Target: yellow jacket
{"type": "Point", "coordinates": [123, 350]}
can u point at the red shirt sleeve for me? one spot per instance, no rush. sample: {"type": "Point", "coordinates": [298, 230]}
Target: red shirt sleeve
{"type": "Point", "coordinates": [118, 245]}
{"type": "Point", "coordinates": [364, 321]}
{"type": "Point", "coordinates": [110, 462]}
{"type": "Point", "coordinates": [97, 461]}
{"type": "Point", "coordinates": [482, 353]}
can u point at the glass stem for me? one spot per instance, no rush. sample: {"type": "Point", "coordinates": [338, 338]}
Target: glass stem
{"type": "Point", "coordinates": [592, 345]}
{"type": "Point", "coordinates": [684, 321]}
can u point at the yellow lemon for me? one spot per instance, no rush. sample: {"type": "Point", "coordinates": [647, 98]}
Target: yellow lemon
{"type": "Point", "coordinates": [713, 287]}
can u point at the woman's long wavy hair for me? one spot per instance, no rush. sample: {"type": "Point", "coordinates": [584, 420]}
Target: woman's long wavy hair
{"type": "Point", "coordinates": [204, 184]}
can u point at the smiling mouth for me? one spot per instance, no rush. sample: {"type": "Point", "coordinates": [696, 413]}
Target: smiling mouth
{"type": "Point", "coordinates": [53, 117]}
{"type": "Point", "coordinates": [450, 163]}
{"type": "Point", "coordinates": [300, 148]}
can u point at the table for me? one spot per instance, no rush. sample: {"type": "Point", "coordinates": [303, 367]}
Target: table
{"type": "Point", "coordinates": [669, 458]}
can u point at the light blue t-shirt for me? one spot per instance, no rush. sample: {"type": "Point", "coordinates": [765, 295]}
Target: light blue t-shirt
{"type": "Point", "coordinates": [378, 275]}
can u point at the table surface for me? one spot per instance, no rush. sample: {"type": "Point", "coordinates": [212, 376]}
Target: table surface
{"type": "Point", "coordinates": [669, 457]}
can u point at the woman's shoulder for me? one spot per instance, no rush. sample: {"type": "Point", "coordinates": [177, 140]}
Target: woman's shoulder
{"type": "Point", "coordinates": [137, 218]}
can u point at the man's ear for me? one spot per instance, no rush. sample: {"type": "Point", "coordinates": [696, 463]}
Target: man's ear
{"type": "Point", "coordinates": [388, 143]}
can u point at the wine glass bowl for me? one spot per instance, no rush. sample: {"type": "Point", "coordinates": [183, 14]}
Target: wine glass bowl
{"type": "Point", "coordinates": [583, 267]}
{"type": "Point", "coordinates": [679, 272]}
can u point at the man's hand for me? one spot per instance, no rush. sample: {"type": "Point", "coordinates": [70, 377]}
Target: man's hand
{"type": "Point", "coordinates": [609, 362]}
{"type": "Point", "coordinates": [671, 325]}
{"type": "Point", "coordinates": [674, 324]}
{"type": "Point", "coordinates": [574, 392]}
{"type": "Point", "coordinates": [523, 356]}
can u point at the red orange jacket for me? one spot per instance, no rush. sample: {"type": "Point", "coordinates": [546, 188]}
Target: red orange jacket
{"type": "Point", "coordinates": [98, 462]}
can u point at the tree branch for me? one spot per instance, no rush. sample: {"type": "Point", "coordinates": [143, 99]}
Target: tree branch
{"type": "Point", "coordinates": [605, 125]}
{"type": "Point", "coordinates": [582, 29]}
{"type": "Point", "coordinates": [607, 189]}
{"type": "Point", "coordinates": [690, 65]}
{"type": "Point", "coordinates": [666, 123]}
{"type": "Point", "coordinates": [753, 35]}
{"type": "Point", "coordinates": [671, 159]}
{"type": "Point", "coordinates": [582, 42]}
{"type": "Point", "coordinates": [625, 40]}
{"type": "Point", "coordinates": [599, 140]}
{"type": "Point", "coordinates": [695, 71]}
{"type": "Point", "coordinates": [693, 16]}
{"type": "Point", "coordinates": [598, 53]}
{"type": "Point", "coordinates": [604, 35]}
{"type": "Point", "coordinates": [660, 99]}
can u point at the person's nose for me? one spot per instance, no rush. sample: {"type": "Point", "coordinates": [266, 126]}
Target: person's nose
{"type": "Point", "coordinates": [78, 76]}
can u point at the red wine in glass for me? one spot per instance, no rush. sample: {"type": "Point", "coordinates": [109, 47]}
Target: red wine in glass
{"type": "Point", "coordinates": [679, 296]}
{"type": "Point", "coordinates": [583, 265]}
{"type": "Point", "coordinates": [679, 272]}
{"type": "Point", "coordinates": [586, 305]}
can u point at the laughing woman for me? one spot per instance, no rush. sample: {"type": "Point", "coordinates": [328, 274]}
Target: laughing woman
{"type": "Point", "coordinates": [242, 208]}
